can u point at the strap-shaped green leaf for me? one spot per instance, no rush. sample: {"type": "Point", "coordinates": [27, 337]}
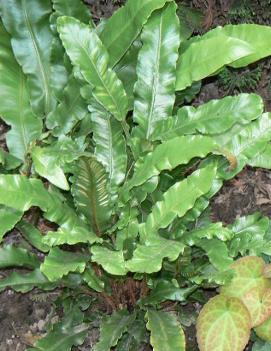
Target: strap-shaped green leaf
{"type": "Point", "coordinates": [32, 235]}
{"type": "Point", "coordinates": [15, 109]}
{"type": "Point", "coordinates": [72, 8]}
{"type": "Point", "coordinates": [90, 192]}
{"type": "Point", "coordinates": [205, 56]}
{"type": "Point", "coordinates": [92, 280]}
{"type": "Point", "coordinates": [253, 34]}
{"type": "Point", "coordinates": [223, 324]}
{"type": "Point", "coordinates": [245, 143]}
{"type": "Point", "coordinates": [110, 146]}
{"type": "Point", "coordinates": [112, 329]}
{"type": "Point", "coordinates": [214, 117]}
{"type": "Point", "coordinates": [71, 109]}
{"type": "Point", "coordinates": [63, 336]}
{"type": "Point", "coordinates": [28, 23]}
{"type": "Point", "coordinates": [169, 155]}
{"type": "Point", "coordinates": [166, 331]}
{"type": "Point", "coordinates": [111, 261]}
{"type": "Point", "coordinates": [59, 263]}
{"type": "Point", "coordinates": [178, 200]}
{"type": "Point", "coordinates": [11, 256]}
{"type": "Point", "coordinates": [86, 51]}
{"type": "Point", "coordinates": [124, 26]}
{"type": "Point", "coordinates": [49, 161]}
{"type": "Point", "coordinates": [155, 87]}
{"type": "Point", "coordinates": [8, 218]}
{"type": "Point", "coordinates": [263, 159]}
{"type": "Point", "coordinates": [26, 282]}
{"type": "Point", "coordinates": [21, 193]}
{"type": "Point", "coordinates": [157, 248]}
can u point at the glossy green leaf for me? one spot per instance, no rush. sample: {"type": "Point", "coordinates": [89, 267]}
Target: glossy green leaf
{"type": "Point", "coordinates": [26, 282]}
{"type": "Point", "coordinates": [166, 331]}
{"type": "Point", "coordinates": [11, 256]}
{"type": "Point", "coordinates": [249, 235]}
{"type": "Point", "coordinates": [263, 159]}
{"type": "Point", "coordinates": [63, 336]}
{"type": "Point", "coordinates": [169, 155]}
{"type": "Point", "coordinates": [126, 71]}
{"type": "Point", "coordinates": [8, 218]}
{"type": "Point", "coordinates": [157, 59]}
{"type": "Point", "coordinates": [32, 235]}
{"type": "Point", "coordinates": [248, 275]}
{"type": "Point", "coordinates": [111, 261]}
{"type": "Point", "coordinates": [15, 109]}
{"type": "Point", "coordinates": [8, 161]}
{"type": "Point", "coordinates": [124, 26]}
{"type": "Point", "coordinates": [166, 290]}
{"type": "Point", "coordinates": [228, 316]}
{"type": "Point", "coordinates": [72, 8]}
{"type": "Point", "coordinates": [245, 143]}
{"type": "Point", "coordinates": [178, 200]}
{"type": "Point", "coordinates": [59, 263]}
{"type": "Point", "coordinates": [257, 36]}
{"type": "Point", "coordinates": [71, 109]}
{"type": "Point", "coordinates": [86, 51]}
{"type": "Point", "coordinates": [214, 117]}
{"type": "Point", "coordinates": [92, 280]}
{"type": "Point", "coordinates": [205, 56]}
{"type": "Point", "coordinates": [112, 329]}
{"type": "Point", "coordinates": [50, 161]}
{"type": "Point", "coordinates": [157, 248]}
{"type": "Point", "coordinates": [110, 146]}
{"type": "Point", "coordinates": [217, 252]}
{"type": "Point", "coordinates": [90, 193]}
{"type": "Point", "coordinates": [264, 330]}
{"type": "Point", "coordinates": [28, 23]}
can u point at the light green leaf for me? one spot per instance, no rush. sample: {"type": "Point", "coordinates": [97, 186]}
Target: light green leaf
{"type": "Point", "coordinates": [245, 143]}
{"type": "Point", "coordinates": [111, 261]}
{"type": "Point", "coordinates": [263, 159]}
{"type": "Point", "coordinates": [169, 155]}
{"type": "Point", "coordinates": [59, 263]}
{"type": "Point", "coordinates": [15, 109]}
{"type": "Point", "coordinates": [90, 192]}
{"type": "Point", "coordinates": [166, 331]}
{"type": "Point", "coordinates": [155, 87]}
{"type": "Point", "coordinates": [26, 282]}
{"type": "Point", "coordinates": [8, 218]}
{"type": "Point", "coordinates": [110, 146]}
{"type": "Point", "coordinates": [228, 316]}
{"type": "Point", "coordinates": [204, 56]}
{"type": "Point", "coordinates": [214, 117]}
{"type": "Point", "coordinates": [32, 235]}
{"type": "Point", "coordinates": [217, 252]}
{"type": "Point", "coordinates": [157, 248]}
{"type": "Point", "coordinates": [112, 329]}
{"type": "Point", "coordinates": [28, 23]}
{"type": "Point", "coordinates": [178, 200]}
{"type": "Point", "coordinates": [124, 26]}
{"type": "Point", "coordinates": [71, 109]}
{"type": "Point", "coordinates": [86, 51]}
{"type": "Point", "coordinates": [257, 36]}
{"type": "Point", "coordinates": [11, 256]}
{"type": "Point", "coordinates": [50, 161]}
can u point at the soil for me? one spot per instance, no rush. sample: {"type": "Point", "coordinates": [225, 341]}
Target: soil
{"type": "Point", "coordinates": [25, 317]}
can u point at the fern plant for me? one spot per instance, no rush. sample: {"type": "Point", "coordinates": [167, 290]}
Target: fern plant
{"type": "Point", "coordinates": [100, 149]}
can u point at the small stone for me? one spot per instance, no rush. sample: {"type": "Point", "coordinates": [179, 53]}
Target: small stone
{"type": "Point", "coordinates": [41, 324]}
